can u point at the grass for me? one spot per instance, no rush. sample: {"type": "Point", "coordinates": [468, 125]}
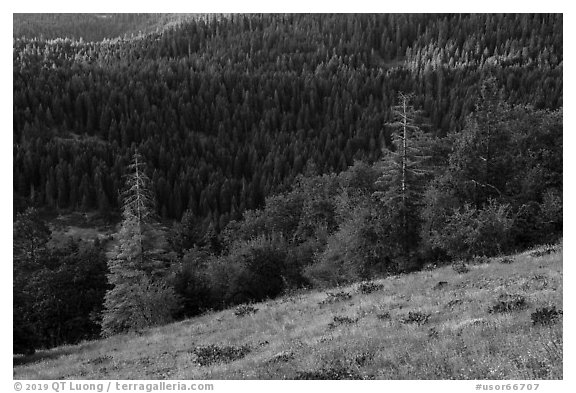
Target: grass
{"type": "Point", "coordinates": [306, 337]}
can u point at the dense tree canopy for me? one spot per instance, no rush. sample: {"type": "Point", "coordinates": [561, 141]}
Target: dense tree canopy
{"type": "Point", "coordinates": [228, 110]}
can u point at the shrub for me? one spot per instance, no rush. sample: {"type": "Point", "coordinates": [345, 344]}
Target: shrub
{"type": "Point", "coordinates": [337, 321]}
{"type": "Point", "coordinates": [191, 283]}
{"type": "Point", "coordinates": [330, 373]}
{"type": "Point", "coordinates": [334, 297]}
{"type": "Point", "coordinates": [508, 302]}
{"type": "Point", "coordinates": [545, 316]}
{"type": "Point", "coordinates": [256, 269]}
{"type": "Point", "coordinates": [453, 302]}
{"type": "Point", "coordinates": [546, 250]}
{"type": "Point", "coordinates": [24, 340]}
{"type": "Point", "coordinates": [479, 260]}
{"type": "Point", "coordinates": [355, 252]}
{"type": "Point", "coordinates": [210, 354]}
{"type": "Point", "coordinates": [383, 316]}
{"type": "Point", "coordinates": [551, 215]}
{"type": "Point", "coordinates": [369, 287]}
{"type": "Point", "coordinates": [460, 268]}
{"type": "Point", "coordinates": [363, 358]}
{"type": "Point", "coordinates": [416, 317]}
{"type": "Point", "coordinates": [244, 309]}
{"type": "Point", "coordinates": [470, 231]}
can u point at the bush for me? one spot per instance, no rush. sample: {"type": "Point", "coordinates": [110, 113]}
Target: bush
{"type": "Point", "coordinates": [551, 217]}
{"type": "Point", "coordinates": [453, 303]}
{"type": "Point", "coordinates": [383, 316]}
{"type": "Point", "coordinates": [470, 231]}
{"type": "Point", "coordinates": [333, 297]}
{"type": "Point", "coordinates": [253, 271]}
{"type": "Point", "coordinates": [210, 354]}
{"type": "Point", "coordinates": [508, 302]}
{"type": "Point", "coordinates": [369, 287]}
{"type": "Point", "coordinates": [546, 250]}
{"type": "Point", "coordinates": [460, 268]}
{"type": "Point", "coordinates": [154, 305]}
{"type": "Point", "coordinates": [329, 373]}
{"type": "Point", "coordinates": [479, 260]}
{"type": "Point", "coordinates": [24, 339]}
{"type": "Point", "coordinates": [191, 283]}
{"type": "Point", "coordinates": [545, 316]}
{"type": "Point", "coordinates": [416, 317]}
{"type": "Point", "coordinates": [337, 321]}
{"type": "Point", "coordinates": [356, 251]}
{"type": "Point", "coordinates": [245, 309]}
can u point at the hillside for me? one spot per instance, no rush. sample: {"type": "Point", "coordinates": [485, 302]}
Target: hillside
{"type": "Point", "coordinates": [467, 335]}
{"type": "Point", "coordinates": [228, 111]}
{"type": "Point", "coordinates": [92, 27]}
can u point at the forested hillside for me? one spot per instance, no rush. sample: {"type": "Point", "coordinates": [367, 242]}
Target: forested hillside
{"type": "Point", "coordinates": [276, 152]}
{"type": "Point", "coordinates": [229, 111]}
{"type": "Point", "coordinates": [91, 27]}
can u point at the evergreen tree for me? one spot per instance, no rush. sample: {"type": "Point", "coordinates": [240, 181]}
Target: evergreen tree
{"type": "Point", "coordinates": [138, 266]}
{"type": "Point", "coordinates": [404, 172]}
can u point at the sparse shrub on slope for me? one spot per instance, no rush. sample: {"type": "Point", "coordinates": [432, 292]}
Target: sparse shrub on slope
{"type": "Point", "coordinates": [329, 373]}
{"type": "Point", "coordinates": [334, 297]}
{"type": "Point", "coordinates": [460, 268]}
{"type": "Point", "coordinates": [508, 302]}
{"type": "Point", "coordinates": [245, 309]}
{"type": "Point", "coordinates": [384, 316]}
{"type": "Point", "coordinates": [369, 287]}
{"type": "Point", "coordinates": [417, 317]}
{"type": "Point", "coordinates": [210, 354]}
{"type": "Point", "coordinates": [542, 251]}
{"type": "Point", "coordinates": [545, 316]}
{"type": "Point", "coordinates": [338, 320]}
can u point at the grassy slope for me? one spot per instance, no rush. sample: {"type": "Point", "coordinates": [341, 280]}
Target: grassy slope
{"type": "Point", "coordinates": [471, 342]}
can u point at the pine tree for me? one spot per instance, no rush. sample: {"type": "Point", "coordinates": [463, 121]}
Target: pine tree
{"type": "Point", "coordinates": [138, 266]}
{"type": "Point", "coordinates": [404, 172]}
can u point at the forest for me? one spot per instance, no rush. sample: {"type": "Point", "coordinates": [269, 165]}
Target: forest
{"type": "Point", "coordinates": [277, 152]}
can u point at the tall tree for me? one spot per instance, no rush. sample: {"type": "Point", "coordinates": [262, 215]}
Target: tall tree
{"type": "Point", "coordinates": [138, 265]}
{"type": "Point", "coordinates": [404, 170]}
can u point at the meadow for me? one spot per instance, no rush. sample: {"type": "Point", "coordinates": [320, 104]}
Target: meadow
{"type": "Point", "coordinates": [497, 318]}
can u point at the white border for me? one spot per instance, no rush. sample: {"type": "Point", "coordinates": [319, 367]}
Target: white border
{"type": "Point", "coordinates": [355, 6]}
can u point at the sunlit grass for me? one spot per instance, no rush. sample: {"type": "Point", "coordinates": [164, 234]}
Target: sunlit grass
{"type": "Point", "coordinates": [460, 339]}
